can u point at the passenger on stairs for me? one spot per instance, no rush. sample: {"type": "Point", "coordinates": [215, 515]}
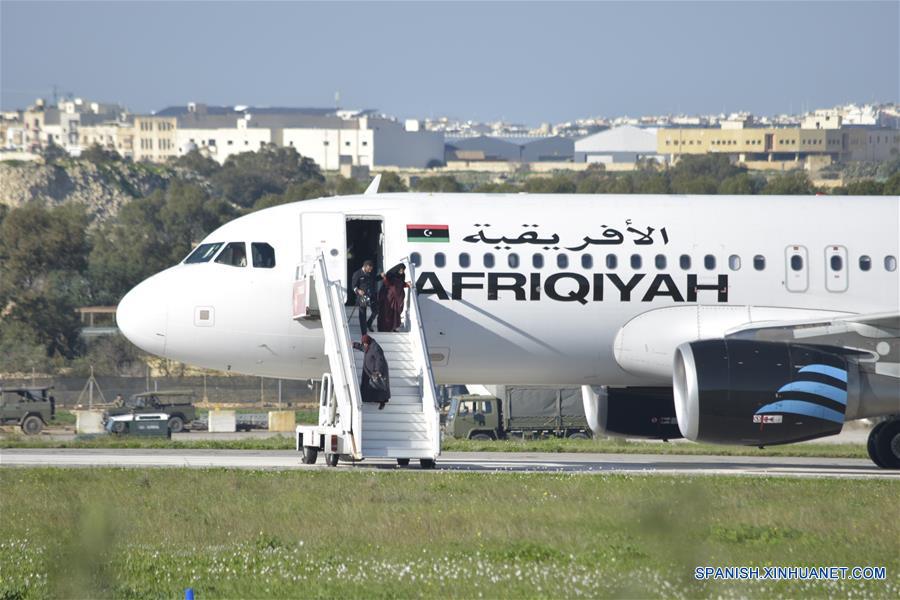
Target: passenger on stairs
{"type": "Point", "coordinates": [364, 285]}
{"type": "Point", "coordinates": [375, 383]}
{"type": "Point", "coordinates": [391, 298]}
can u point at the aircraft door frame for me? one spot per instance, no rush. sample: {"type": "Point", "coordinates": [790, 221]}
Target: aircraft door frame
{"type": "Point", "coordinates": [796, 279]}
{"type": "Point", "coordinates": [836, 279]}
{"type": "Point", "coordinates": [324, 233]}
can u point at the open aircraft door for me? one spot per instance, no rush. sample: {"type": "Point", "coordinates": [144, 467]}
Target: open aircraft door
{"type": "Point", "coordinates": [320, 233]}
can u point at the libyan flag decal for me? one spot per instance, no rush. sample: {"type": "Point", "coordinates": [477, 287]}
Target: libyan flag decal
{"type": "Point", "coordinates": [427, 233]}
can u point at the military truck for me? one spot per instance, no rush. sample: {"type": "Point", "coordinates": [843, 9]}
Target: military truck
{"type": "Point", "coordinates": [518, 411]}
{"type": "Point", "coordinates": [178, 404]}
{"type": "Point", "coordinates": [29, 407]}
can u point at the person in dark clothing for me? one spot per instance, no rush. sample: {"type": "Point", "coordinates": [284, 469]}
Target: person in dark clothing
{"type": "Point", "coordinates": [375, 382]}
{"type": "Point", "coordinates": [391, 298]}
{"type": "Point", "coordinates": [363, 284]}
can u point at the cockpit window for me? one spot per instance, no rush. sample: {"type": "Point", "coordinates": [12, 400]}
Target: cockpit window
{"type": "Point", "coordinates": [263, 255]}
{"type": "Point", "coordinates": [234, 255]}
{"type": "Point", "coordinates": [203, 253]}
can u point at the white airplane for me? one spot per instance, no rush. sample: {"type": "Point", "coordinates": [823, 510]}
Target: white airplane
{"type": "Point", "coordinates": [744, 319]}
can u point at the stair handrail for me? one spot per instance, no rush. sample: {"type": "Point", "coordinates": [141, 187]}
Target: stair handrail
{"type": "Point", "coordinates": [430, 406]}
{"type": "Point", "coordinates": [340, 333]}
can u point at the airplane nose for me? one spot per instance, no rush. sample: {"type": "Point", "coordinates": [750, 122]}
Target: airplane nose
{"type": "Point", "coordinates": [142, 316]}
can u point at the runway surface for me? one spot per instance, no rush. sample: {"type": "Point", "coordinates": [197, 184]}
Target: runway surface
{"type": "Point", "coordinates": [484, 462]}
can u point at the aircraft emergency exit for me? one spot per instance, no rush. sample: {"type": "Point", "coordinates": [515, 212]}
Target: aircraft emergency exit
{"type": "Point", "coordinates": [758, 320]}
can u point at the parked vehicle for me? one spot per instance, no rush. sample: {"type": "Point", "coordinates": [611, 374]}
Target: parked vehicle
{"type": "Point", "coordinates": [521, 411]}
{"type": "Point", "coordinates": [29, 407]}
{"type": "Point", "coordinates": [178, 404]}
{"type": "Point", "coordinates": [156, 424]}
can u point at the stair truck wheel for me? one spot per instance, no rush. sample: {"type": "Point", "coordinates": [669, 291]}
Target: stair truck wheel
{"type": "Point", "coordinates": [872, 443]}
{"type": "Point", "coordinates": [310, 454]}
{"type": "Point", "coordinates": [331, 460]}
{"type": "Point", "coordinates": [403, 462]}
{"type": "Point", "coordinates": [579, 435]}
{"type": "Point", "coordinates": [887, 445]}
{"type": "Point", "coordinates": [427, 463]}
{"type": "Point", "coordinates": [32, 425]}
{"type": "Point", "coordinates": [481, 437]}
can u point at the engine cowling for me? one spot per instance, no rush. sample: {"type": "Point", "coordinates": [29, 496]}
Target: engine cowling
{"type": "Point", "coordinates": [642, 412]}
{"type": "Point", "coordinates": [733, 391]}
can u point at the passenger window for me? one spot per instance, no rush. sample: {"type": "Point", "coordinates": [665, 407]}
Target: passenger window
{"type": "Point", "coordinates": [611, 261]}
{"type": "Point", "coordinates": [660, 261]}
{"type": "Point", "coordinates": [796, 262]}
{"type": "Point", "coordinates": [464, 260]}
{"type": "Point", "coordinates": [759, 262]}
{"type": "Point", "coordinates": [562, 261]}
{"type": "Point", "coordinates": [489, 260]}
{"type": "Point", "coordinates": [636, 261]}
{"type": "Point", "coordinates": [709, 261]}
{"type": "Point", "coordinates": [837, 263]}
{"type": "Point", "coordinates": [537, 261]}
{"type": "Point", "coordinates": [234, 255]}
{"type": "Point", "coordinates": [415, 259]}
{"type": "Point", "coordinates": [865, 263]}
{"type": "Point", "coordinates": [734, 262]}
{"type": "Point", "coordinates": [513, 261]}
{"type": "Point", "coordinates": [890, 263]}
{"type": "Point", "coordinates": [263, 255]}
{"type": "Point", "coordinates": [440, 260]}
{"type": "Point", "coordinates": [684, 261]}
{"type": "Point", "coordinates": [203, 253]}
{"type": "Point", "coordinates": [587, 261]}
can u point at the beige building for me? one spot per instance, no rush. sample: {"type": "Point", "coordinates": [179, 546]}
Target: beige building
{"type": "Point", "coordinates": [750, 144]}
{"type": "Point", "coordinates": [111, 136]}
{"type": "Point", "coordinates": [155, 138]}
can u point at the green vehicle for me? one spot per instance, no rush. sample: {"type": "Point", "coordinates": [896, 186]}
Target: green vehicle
{"type": "Point", "coordinates": [518, 411]}
{"type": "Point", "coordinates": [29, 407]}
{"type": "Point", "coordinates": [178, 404]}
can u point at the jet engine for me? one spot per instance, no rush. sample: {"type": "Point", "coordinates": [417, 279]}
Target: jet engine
{"type": "Point", "coordinates": [642, 412]}
{"type": "Point", "coordinates": [759, 393]}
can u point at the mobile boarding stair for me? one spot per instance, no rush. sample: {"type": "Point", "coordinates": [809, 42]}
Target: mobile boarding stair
{"type": "Point", "coordinates": [409, 425]}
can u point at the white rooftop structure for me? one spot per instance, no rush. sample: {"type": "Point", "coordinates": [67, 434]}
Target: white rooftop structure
{"type": "Point", "coordinates": [625, 144]}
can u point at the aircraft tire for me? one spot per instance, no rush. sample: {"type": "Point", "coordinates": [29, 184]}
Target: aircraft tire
{"type": "Point", "coordinates": [332, 459]}
{"type": "Point", "coordinates": [887, 445]}
{"type": "Point", "coordinates": [872, 444]}
{"type": "Point", "coordinates": [427, 463]}
{"type": "Point", "coordinates": [403, 462]}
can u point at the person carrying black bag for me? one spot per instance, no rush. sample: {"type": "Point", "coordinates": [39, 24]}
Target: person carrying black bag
{"type": "Point", "coordinates": [363, 284]}
{"type": "Point", "coordinates": [375, 382]}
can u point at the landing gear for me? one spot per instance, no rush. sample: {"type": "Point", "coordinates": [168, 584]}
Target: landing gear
{"type": "Point", "coordinates": [884, 444]}
{"type": "Point", "coordinates": [403, 462]}
{"type": "Point", "coordinates": [332, 459]}
{"type": "Point", "coordinates": [427, 463]}
{"type": "Point", "coordinates": [310, 454]}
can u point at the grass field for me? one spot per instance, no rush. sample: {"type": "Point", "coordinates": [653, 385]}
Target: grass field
{"type": "Point", "coordinates": [453, 445]}
{"type": "Point", "coordinates": [153, 533]}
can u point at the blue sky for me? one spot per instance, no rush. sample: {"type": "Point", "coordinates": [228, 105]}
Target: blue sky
{"type": "Point", "coordinates": [526, 62]}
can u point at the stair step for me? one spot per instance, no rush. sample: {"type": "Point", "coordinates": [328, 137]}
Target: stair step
{"type": "Point", "coordinates": [394, 452]}
{"type": "Point", "coordinates": [394, 407]}
{"type": "Point", "coordinates": [372, 437]}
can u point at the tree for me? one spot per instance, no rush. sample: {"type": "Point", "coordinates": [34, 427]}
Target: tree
{"type": "Point", "coordinates": [196, 162]}
{"type": "Point", "coordinates": [866, 187]}
{"type": "Point", "coordinates": [717, 167]}
{"type": "Point", "coordinates": [43, 253]}
{"type": "Point", "coordinates": [439, 183]}
{"type": "Point", "coordinates": [100, 155]}
{"type": "Point", "coordinates": [347, 187]}
{"type": "Point", "coordinates": [892, 185]}
{"type": "Point", "coordinates": [391, 182]}
{"type": "Point", "coordinates": [557, 184]}
{"type": "Point", "coordinates": [792, 183]}
{"type": "Point", "coordinates": [53, 153]}
{"type": "Point", "coordinates": [246, 177]}
{"type": "Point", "coordinates": [742, 183]}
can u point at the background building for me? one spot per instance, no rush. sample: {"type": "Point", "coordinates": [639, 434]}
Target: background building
{"type": "Point", "coordinates": [625, 144]}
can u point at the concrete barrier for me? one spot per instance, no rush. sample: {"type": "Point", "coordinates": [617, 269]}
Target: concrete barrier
{"type": "Point", "coordinates": [222, 421]}
{"type": "Point", "coordinates": [89, 421]}
{"type": "Point", "coordinates": [282, 420]}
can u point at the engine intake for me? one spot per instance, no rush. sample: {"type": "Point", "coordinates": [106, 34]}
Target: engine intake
{"type": "Point", "coordinates": [643, 412]}
{"type": "Point", "coordinates": [733, 391]}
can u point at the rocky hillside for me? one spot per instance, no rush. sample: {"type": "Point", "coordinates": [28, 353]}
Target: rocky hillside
{"type": "Point", "coordinates": [103, 188]}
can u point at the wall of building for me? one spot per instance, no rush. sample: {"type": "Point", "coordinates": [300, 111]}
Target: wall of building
{"type": "Point", "coordinates": [395, 146]}
{"type": "Point", "coordinates": [219, 144]}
